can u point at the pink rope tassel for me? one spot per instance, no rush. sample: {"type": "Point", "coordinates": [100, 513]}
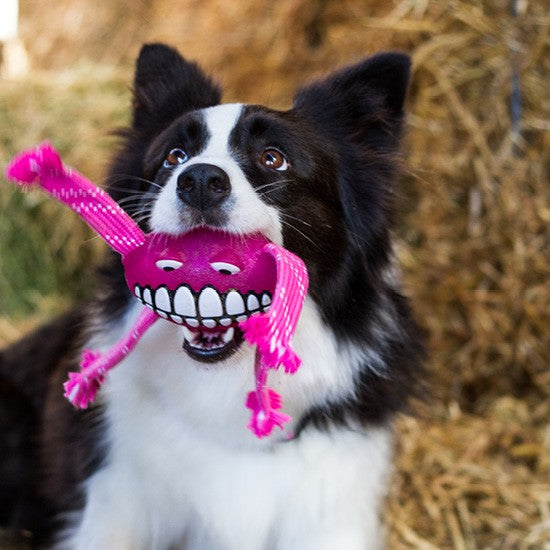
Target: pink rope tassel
{"type": "Point", "coordinates": [264, 403]}
{"type": "Point", "coordinates": [272, 333]}
{"type": "Point", "coordinates": [82, 386]}
{"type": "Point", "coordinates": [42, 166]}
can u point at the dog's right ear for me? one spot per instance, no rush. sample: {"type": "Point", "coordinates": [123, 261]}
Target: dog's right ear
{"type": "Point", "coordinates": [166, 86]}
{"type": "Point", "coordinates": [361, 104]}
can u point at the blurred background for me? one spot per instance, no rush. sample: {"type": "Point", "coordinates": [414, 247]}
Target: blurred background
{"type": "Point", "coordinates": [473, 469]}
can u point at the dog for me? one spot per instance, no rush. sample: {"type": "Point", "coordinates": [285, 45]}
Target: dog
{"type": "Point", "coordinates": [163, 458]}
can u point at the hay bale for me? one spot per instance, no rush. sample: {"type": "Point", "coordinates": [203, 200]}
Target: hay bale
{"type": "Point", "coordinates": [473, 471]}
{"type": "Point", "coordinates": [45, 250]}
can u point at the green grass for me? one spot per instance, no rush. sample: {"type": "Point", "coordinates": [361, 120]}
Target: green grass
{"type": "Point", "coordinates": [46, 250]}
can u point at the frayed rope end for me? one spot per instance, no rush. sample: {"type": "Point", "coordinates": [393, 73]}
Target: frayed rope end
{"type": "Point", "coordinates": [82, 387]}
{"type": "Point", "coordinates": [275, 352]}
{"type": "Point", "coordinates": [28, 167]}
{"type": "Point", "coordinates": [81, 390]}
{"type": "Point", "coordinates": [264, 412]}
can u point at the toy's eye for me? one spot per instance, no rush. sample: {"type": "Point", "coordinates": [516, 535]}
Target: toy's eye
{"type": "Point", "coordinates": [273, 158]}
{"type": "Point", "coordinates": [168, 265]}
{"type": "Point", "coordinates": [175, 157]}
{"type": "Point", "coordinates": [225, 268]}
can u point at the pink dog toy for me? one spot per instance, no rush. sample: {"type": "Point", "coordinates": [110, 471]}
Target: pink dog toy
{"type": "Point", "coordinates": [204, 278]}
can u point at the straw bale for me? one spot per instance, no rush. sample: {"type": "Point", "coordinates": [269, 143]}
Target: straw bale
{"type": "Point", "coordinates": [473, 470]}
{"type": "Point", "coordinates": [473, 481]}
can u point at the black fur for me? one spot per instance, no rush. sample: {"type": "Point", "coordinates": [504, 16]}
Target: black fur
{"type": "Point", "coordinates": [336, 199]}
{"type": "Point", "coordinates": [47, 448]}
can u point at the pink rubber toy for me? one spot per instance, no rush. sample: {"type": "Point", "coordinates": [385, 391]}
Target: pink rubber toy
{"type": "Point", "coordinates": [204, 278]}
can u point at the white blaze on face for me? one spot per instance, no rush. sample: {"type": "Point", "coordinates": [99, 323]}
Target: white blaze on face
{"type": "Point", "coordinates": [246, 212]}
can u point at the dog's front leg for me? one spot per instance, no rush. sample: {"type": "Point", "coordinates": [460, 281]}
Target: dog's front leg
{"type": "Point", "coordinates": [113, 518]}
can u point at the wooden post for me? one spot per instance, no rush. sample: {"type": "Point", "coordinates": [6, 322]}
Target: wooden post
{"type": "Point", "coordinates": [14, 61]}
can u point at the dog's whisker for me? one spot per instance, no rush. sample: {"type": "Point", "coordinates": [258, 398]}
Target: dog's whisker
{"type": "Point", "coordinates": [115, 178]}
{"type": "Point", "coordinates": [138, 214]}
{"type": "Point", "coordinates": [129, 191]}
{"type": "Point", "coordinates": [295, 218]}
{"type": "Point", "coordinates": [140, 208]}
{"type": "Point", "coordinates": [272, 184]}
{"type": "Point", "coordinates": [269, 191]}
{"type": "Point", "coordinates": [142, 219]}
{"type": "Point", "coordinates": [128, 202]}
{"type": "Point", "coordinates": [288, 224]}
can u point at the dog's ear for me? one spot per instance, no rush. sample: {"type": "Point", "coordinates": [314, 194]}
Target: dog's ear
{"type": "Point", "coordinates": [362, 103]}
{"type": "Point", "coordinates": [166, 86]}
{"type": "Point", "coordinates": [360, 110]}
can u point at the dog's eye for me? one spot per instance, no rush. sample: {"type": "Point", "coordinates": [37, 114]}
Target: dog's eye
{"type": "Point", "coordinates": [225, 268]}
{"type": "Point", "coordinates": [272, 158]}
{"type": "Point", "coordinates": [168, 265]}
{"type": "Point", "coordinates": [175, 157]}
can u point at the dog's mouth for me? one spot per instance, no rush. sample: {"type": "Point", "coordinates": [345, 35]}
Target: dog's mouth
{"type": "Point", "coordinates": [211, 345]}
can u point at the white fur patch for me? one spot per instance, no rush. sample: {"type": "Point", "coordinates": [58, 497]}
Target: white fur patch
{"type": "Point", "coordinates": [247, 213]}
{"type": "Point", "coordinates": [183, 469]}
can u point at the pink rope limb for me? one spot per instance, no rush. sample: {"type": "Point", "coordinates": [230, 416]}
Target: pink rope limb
{"type": "Point", "coordinates": [272, 333]}
{"type": "Point", "coordinates": [42, 166]}
{"type": "Point", "coordinates": [82, 386]}
{"type": "Point", "coordinates": [264, 403]}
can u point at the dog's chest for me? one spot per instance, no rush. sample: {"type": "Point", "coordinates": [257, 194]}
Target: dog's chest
{"type": "Point", "coordinates": [178, 446]}
{"type": "Point", "coordinates": [158, 384]}
{"type": "Point", "coordinates": [181, 462]}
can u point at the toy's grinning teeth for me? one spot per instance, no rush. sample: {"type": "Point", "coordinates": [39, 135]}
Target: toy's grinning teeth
{"type": "Point", "coordinates": [205, 309]}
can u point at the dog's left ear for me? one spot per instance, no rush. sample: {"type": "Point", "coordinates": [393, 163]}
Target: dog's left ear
{"type": "Point", "coordinates": [360, 110]}
{"type": "Point", "coordinates": [362, 103]}
{"type": "Point", "coordinates": [166, 86]}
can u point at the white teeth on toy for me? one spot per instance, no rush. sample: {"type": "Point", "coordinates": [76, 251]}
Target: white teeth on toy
{"type": "Point", "coordinates": [252, 303]}
{"type": "Point", "coordinates": [162, 299]}
{"type": "Point", "coordinates": [210, 304]}
{"type": "Point", "coordinates": [228, 335]}
{"type": "Point", "coordinates": [234, 303]}
{"type": "Point", "coordinates": [207, 308]}
{"type": "Point", "coordinates": [147, 298]}
{"type": "Point", "coordinates": [266, 301]}
{"type": "Point", "coordinates": [184, 303]}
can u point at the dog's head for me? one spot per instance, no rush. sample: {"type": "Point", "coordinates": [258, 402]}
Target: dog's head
{"type": "Point", "coordinates": [316, 178]}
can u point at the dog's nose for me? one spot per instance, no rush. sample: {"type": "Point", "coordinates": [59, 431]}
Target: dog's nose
{"type": "Point", "coordinates": [203, 186]}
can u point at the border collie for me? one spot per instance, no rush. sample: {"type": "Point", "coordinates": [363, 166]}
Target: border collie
{"type": "Point", "coordinates": [163, 459]}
